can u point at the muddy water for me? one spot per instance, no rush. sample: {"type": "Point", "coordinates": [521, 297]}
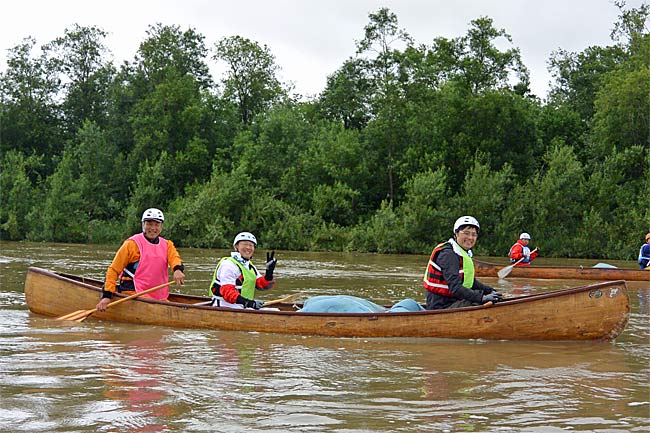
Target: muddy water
{"type": "Point", "coordinates": [106, 377]}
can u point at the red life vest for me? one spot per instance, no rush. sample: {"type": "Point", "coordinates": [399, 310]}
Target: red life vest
{"type": "Point", "coordinates": [433, 279]}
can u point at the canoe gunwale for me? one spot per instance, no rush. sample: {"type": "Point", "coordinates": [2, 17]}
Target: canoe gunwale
{"type": "Point", "coordinates": [487, 269]}
{"type": "Point", "coordinates": [507, 301]}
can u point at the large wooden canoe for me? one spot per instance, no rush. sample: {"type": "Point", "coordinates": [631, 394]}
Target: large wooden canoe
{"type": "Point", "coordinates": [485, 269]}
{"type": "Point", "coordinates": [594, 312]}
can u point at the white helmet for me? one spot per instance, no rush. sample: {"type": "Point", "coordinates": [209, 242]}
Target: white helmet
{"type": "Point", "coordinates": [466, 221]}
{"type": "Point", "coordinates": [153, 214]}
{"type": "Point", "coordinates": [524, 236]}
{"type": "Point", "coordinates": [244, 236]}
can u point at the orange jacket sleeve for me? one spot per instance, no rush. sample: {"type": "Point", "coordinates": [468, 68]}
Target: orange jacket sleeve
{"type": "Point", "coordinates": [128, 253]}
{"type": "Point", "coordinates": [173, 257]}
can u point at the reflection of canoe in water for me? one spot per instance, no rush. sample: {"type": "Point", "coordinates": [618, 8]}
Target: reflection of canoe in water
{"type": "Point", "coordinates": [595, 312]}
{"type": "Point", "coordinates": [485, 269]}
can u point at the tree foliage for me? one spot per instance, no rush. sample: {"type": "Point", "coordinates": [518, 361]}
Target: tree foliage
{"type": "Point", "coordinates": [402, 140]}
{"type": "Point", "coordinates": [251, 81]}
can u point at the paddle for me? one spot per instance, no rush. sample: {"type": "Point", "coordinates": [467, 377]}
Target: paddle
{"type": "Point", "coordinates": [81, 315]}
{"type": "Point", "coordinates": [506, 271]}
{"type": "Point", "coordinates": [289, 298]}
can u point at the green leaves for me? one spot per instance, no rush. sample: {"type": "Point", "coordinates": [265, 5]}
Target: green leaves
{"type": "Point", "coordinates": [251, 80]}
{"type": "Point", "coordinates": [403, 139]}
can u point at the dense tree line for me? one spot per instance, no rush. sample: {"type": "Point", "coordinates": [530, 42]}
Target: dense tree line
{"type": "Point", "coordinates": [403, 139]}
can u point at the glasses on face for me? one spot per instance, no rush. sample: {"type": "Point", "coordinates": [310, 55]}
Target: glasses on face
{"type": "Point", "coordinates": [469, 234]}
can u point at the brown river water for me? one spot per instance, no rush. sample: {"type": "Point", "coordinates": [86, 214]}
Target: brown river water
{"type": "Point", "coordinates": [107, 377]}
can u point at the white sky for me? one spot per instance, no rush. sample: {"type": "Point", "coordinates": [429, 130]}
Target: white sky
{"type": "Point", "coordinates": [312, 38]}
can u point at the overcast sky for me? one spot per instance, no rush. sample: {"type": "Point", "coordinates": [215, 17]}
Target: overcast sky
{"type": "Point", "coordinates": [312, 38]}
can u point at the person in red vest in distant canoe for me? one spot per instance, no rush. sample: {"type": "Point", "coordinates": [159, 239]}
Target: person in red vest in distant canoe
{"type": "Point", "coordinates": [142, 262]}
{"type": "Point", "coordinates": [521, 250]}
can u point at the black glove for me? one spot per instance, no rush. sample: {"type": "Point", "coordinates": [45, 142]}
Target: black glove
{"type": "Point", "coordinates": [252, 303]}
{"type": "Point", "coordinates": [270, 265]}
{"type": "Point", "coordinates": [492, 297]}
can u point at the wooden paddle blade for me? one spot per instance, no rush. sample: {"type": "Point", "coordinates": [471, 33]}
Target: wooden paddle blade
{"type": "Point", "coordinates": [81, 314]}
{"type": "Point", "coordinates": [505, 271]}
{"type": "Point", "coordinates": [70, 316]}
{"type": "Point", "coordinates": [84, 317]}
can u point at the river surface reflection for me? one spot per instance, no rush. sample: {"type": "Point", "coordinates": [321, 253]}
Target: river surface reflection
{"type": "Point", "coordinates": [106, 377]}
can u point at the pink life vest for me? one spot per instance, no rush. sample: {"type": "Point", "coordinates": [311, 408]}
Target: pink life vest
{"type": "Point", "coordinates": [152, 267]}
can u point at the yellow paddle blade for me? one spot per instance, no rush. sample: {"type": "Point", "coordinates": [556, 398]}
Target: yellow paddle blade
{"type": "Point", "coordinates": [70, 316]}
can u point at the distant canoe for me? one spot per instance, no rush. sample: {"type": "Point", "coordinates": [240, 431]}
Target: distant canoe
{"type": "Point", "coordinates": [485, 269]}
{"type": "Point", "coordinates": [594, 312]}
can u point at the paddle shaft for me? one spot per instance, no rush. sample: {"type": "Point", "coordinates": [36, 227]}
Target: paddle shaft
{"type": "Point", "coordinates": [85, 313]}
{"type": "Point", "coordinates": [144, 292]}
{"type": "Point", "coordinates": [286, 299]}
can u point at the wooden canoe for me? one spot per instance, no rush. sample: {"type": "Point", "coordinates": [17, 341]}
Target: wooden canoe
{"type": "Point", "coordinates": [595, 312]}
{"type": "Point", "coordinates": [485, 269]}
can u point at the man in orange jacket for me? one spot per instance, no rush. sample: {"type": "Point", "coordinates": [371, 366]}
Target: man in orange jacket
{"type": "Point", "coordinates": [142, 262]}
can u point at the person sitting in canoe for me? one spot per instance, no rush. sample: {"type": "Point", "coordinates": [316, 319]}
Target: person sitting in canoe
{"type": "Point", "coordinates": [644, 254]}
{"type": "Point", "coordinates": [235, 278]}
{"type": "Point", "coordinates": [449, 277]}
{"type": "Point", "coordinates": [520, 250]}
{"type": "Point", "coordinates": [142, 261]}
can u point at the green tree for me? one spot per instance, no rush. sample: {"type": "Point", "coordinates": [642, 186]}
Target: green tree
{"type": "Point", "coordinates": [617, 201]}
{"type": "Point", "coordinates": [484, 196]}
{"type": "Point", "coordinates": [556, 204]}
{"type": "Point", "coordinates": [163, 112]}
{"type": "Point", "coordinates": [631, 31]}
{"type": "Point", "coordinates": [336, 156]}
{"type": "Point", "coordinates": [166, 50]}
{"type": "Point", "coordinates": [269, 151]}
{"type": "Point", "coordinates": [622, 117]}
{"type": "Point", "coordinates": [251, 80]}
{"type": "Point", "coordinates": [82, 189]}
{"type": "Point", "coordinates": [578, 76]}
{"type": "Point", "coordinates": [174, 119]}
{"type": "Point", "coordinates": [455, 126]}
{"type": "Point", "coordinates": [148, 189]}
{"type": "Point", "coordinates": [382, 37]}
{"type": "Point", "coordinates": [346, 97]}
{"type": "Point", "coordinates": [383, 232]}
{"type": "Point", "coordinates": [18, 196]}
{"type": "Point", "coordinates": [80, 56]}
{"type": "Point", "coordinates": [335, 203]}
{"type": "Point", "coordinates": [475, 61]}
{"type": "Point", "coordinates": [425, 211]}
{"type": "Point", "coordinates": [63, 216]}
{"type": "Point", "coordinates": [29, 114]}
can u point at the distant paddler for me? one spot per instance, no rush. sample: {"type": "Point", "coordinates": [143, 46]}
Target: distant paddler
{"type": "Point", "coordinates": [520, 253]}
